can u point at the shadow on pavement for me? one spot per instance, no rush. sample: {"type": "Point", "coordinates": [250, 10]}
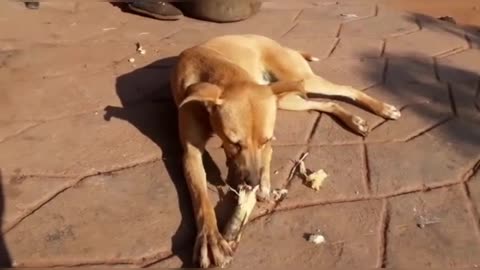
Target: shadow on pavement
{"type": "Point", "coordinates": [472, 32]}
{"type": "Point", "coordinates": [462, 99]}
{"type": "Point", "coordinates": [5, 260]}
{"type": "Point", "coordinates": [411, 80]}
{"type": "Point", "coordinates": [150, 108]}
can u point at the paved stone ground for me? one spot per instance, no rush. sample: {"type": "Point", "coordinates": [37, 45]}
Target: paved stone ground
{"type": "Point", "coordinates": [90, 159]}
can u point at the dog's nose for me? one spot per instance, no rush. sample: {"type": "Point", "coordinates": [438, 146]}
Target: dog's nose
{"type": "Point", "coordinates": [252, 181]}
{"type": "Point", "coordinates": [253, 178]}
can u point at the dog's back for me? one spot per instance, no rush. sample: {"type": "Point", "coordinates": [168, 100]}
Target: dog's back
{"type": "Point", "coordinates": [226, 59]}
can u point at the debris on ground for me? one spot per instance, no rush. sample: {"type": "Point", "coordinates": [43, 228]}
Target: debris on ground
{"type": "Point", "coordinates": [349, 15]}
{"type": "Point", "coordinates": [313, 179]}
{"type": "Point", "coordinates": [447, 19]}
{"type": "Point", "coordinates": [316, 238]}
{"type": "Point", "coordinates": [245, 205]}
{"type": "Point", "coordinates": [423, 218]}
{"type": "Point", "coordinates": [423, 221]}
{"type": "Point", "coordinates": [131, 60]}
{"type": "Point", "coordinates": [279, 194]}
{"type": "Point", "coordinates": [140, 49]}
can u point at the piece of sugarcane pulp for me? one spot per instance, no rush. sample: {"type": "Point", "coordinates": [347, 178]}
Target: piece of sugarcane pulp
{"type": "Point", "coordinates": [245, 204]}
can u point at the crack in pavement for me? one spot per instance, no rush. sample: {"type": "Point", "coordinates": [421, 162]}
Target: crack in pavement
{"type": "Point", "coordinates": [476, 98]}
{"type": "Point", "coordinates": [386, 64]}
{"type": "Point", "coordinates": [30, 211]}
{"type": "Point", "coordinates": [382, 55]}
{"type": "Point", "coordinates": [451, 51]}
{"type": "Point", "coordinates": [383, 229]}
{"type": "Point", "coordinates": [339, 30]}
{"type": "Point", "coordinates": [406, 33]}
{"type": "Point", "coordinates": [300, 12]}
{"type": "Point", "coordinates": [150, 263]}
{"type": "Point", "coordinates": [68, 186]}
{"type": "Point", "coordinates": [314, 127]}
{"type": "Point", "coordinates": [423, 188]}
{"type": "Point", "coordinates": [20, 132]}
{"type": "Point", "coordinates": [436, 70]}
{"type": "Point", "coordinates": [333, 48]}
{"type": "Point", "coordinates": [289, 30]}
{"type": "Point", "coordinates": [40, 122]}
{"type": "Point", "coordinates": [469, 174]}
{"type": "Point", "coordinates": [367, 180]}
{"type": "Point", "coordinates": [141, 261]}
{"type": "Point", "coordinates": [474, 212]}
{"type": "Point", "coordinates": [426, 130]}
{"type": "Point", "coordinates": [451, 98]}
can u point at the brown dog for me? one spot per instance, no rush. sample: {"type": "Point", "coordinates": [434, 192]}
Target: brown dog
{"type": "Point", "coordinates": [232, 86]}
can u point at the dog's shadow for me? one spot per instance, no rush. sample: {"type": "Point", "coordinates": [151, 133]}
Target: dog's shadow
{"type": "Point", "coordinates": [147, 104]}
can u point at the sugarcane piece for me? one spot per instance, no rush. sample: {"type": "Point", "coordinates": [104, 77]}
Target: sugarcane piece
{"type": "Point", "coordinates": [314, 179]}
{"type": "Point", "coordinates": [279, 194]}
{"type": "Point", "coordinates": [296, 165]}
{"type": "Point", "coordinates": [245, 205]}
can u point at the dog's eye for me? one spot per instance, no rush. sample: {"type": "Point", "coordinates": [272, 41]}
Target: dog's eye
{"type": "Point", "coordinates": [233, 146]}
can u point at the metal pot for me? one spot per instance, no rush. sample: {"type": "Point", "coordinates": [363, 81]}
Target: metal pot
{"type": "Point", "coordinates": [220, 10]}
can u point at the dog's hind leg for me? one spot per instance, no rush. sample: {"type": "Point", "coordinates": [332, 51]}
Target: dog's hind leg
{"type": "Point", "coordinates": [289, 65]}
{"type": "Point", "coordinates": [317, 85]}
{"type": "Point", "coordinates": [294, 102]}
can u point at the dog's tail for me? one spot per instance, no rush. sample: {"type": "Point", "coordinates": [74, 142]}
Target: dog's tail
{"type": "Point", "coordinates": [309, 57]}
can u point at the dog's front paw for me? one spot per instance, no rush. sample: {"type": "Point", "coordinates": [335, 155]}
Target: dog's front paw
{"type": "Point", "coordinates": [390, 112]}
{"type": "Point", "coordinates": [263, 193]}
{"type": "Point", "coordinates": [211, 249]}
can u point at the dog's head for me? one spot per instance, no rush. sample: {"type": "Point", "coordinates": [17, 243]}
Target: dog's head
{"type": "Point", "coordinates": [243, 115]}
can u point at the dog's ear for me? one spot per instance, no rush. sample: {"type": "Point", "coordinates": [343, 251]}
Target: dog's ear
{"type": "Point", "coordinates": [282, 88]}
{"type": "Point", "coordinates": [203, 92]}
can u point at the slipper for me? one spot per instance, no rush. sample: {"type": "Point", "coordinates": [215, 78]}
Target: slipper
{"type": "Point", "coordinates": [156, 9]}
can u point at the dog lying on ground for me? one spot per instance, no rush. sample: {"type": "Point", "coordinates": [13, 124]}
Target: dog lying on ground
{"type": "Point", "coordinates": [232, 86]}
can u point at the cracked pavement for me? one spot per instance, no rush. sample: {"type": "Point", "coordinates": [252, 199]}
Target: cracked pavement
{"type": "Point", "coordinates": [90, 161]}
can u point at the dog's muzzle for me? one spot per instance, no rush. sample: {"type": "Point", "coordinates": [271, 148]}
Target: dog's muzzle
{"type": "Point", "coordinates": [253, 177]}
{"type": "Point", "coordinates": [244, 176]}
